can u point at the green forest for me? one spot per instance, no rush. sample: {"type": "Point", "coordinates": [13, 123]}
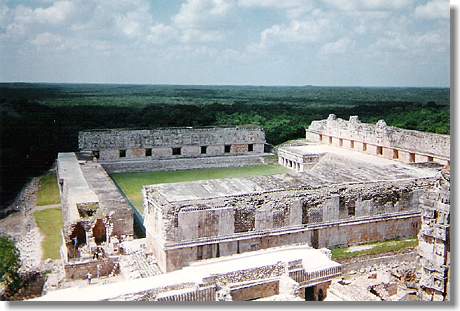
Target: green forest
{"type": "Point", "coordinates": [40, 120]}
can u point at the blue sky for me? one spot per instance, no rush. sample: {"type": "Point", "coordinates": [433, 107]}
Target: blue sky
{"type": "Point", "coordinates": [256, 42]}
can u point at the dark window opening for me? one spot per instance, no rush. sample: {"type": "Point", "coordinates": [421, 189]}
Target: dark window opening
{"type": "Point", "coordinates": [352, 144]}
{"type": "Point", "coordinates": [395, 154]}
{"type": "Point", "coordinates": [122, 153]}
{"type": "Point", "coordinates": [412, 157]}
{"type": "Point", "coordinates": [176, 151]}
{"type": "Point", "coordinates": [250, 147]}
{"type": "Point", "coordinates": [227, 148]}
{"type": "Point", "coordinates": [379, 150]}
{"type": "Point", "coordinates": [199, 252]}
{"type": "Point", "coordinates": [351, 209]}
{"type": "Point", "coordinates": [430, 159]}
{"type": "Point", "coordinates": [364, 147]}
{"type": "Point", "coordinates": [96, 154]}
{"type": "Point", "coordinates": [148, 152]}
{"type": "Point", "coordinates": [320, 137]}
{"type": "Point", "coordinates": [204, 149]}
{"type": "Point", "coordinates": [340, 142]}
{"type": "Point", "coordinates": [330, 140]}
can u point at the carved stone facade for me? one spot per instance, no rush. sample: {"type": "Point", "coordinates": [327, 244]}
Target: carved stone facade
{"type": "Point", "coordinates": [381, 140]}
{"type": "Point", "coordinates": [434, 241]}
{"type": "Point", "coordinates": [171, 143]}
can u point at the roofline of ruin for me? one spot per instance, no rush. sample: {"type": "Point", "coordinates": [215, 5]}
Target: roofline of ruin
{"type": "Point", "coordinates": [246, 127]}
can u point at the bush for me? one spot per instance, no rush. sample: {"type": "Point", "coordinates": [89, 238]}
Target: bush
{"type": "Point", "coordinates": [9, 266]}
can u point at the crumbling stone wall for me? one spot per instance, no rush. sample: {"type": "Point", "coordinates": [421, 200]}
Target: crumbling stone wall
{"type": "Point", "coordinates": [125, 144]}
{"type": "Point", "coordinates": [284, 208]}
{"type": "Point", "coordinates": [353, 134]}
{"type": "Point", "coordinates": [434, 241]}
{"type": "Point", "coordinates": [336, 215]}
{"type": "Point", "coordinates": [80, 269]}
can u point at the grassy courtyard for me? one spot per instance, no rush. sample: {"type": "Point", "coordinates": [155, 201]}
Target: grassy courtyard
{"type": "Point", "coordinates": [390, 246]}
{"type": "Point", "coordinates": [132, 183]}
{"type": "Point", "coordinates": [50, 223]}
{"type": "Point", "coordinates": [48, 191]}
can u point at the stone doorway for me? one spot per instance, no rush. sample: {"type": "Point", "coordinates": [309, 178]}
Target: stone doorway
{"type": "Point", "coordinates": [99, 232]}
{"type": "Point", "coordinates": [77, 238]}
{"type": "Point", "coordinates": [321, 295]}
{"type": "Point", "coordinates": [310, 293]}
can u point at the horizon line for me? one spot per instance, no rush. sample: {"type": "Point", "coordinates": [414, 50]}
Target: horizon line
{"type": "Point", "coordinates": [226, 84]}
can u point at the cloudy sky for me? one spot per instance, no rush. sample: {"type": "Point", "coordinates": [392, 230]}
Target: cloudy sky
{"type": "Point", "coordinates": [258, 42]}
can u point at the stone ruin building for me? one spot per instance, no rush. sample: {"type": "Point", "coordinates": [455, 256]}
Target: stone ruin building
{"type": "Point", "coordinates": [350, 183]}
{"type": "Point", "coordinates": [95, 216]}
{"type": "Point", "coordinates": [434, 241]}
{"type": "Point", "coordinates": [120, 150]}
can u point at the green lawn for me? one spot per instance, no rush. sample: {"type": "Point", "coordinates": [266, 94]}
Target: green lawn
{"type": "Point", "coordinates": [390, 246]}
{"type": "Point", "coordinates": [50, 223]}
{"type": "Point", "coordinates": [132, 183]}
{"type": "Point", "coordinates": [48, 191]}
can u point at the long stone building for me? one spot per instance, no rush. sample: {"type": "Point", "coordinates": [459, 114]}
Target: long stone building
{"type": "Point", "coordinates": [335, 196]}
{"type": "Point", "coordinates": [374, 139]}
{"type": "Point", "coordinates": [174, 148]}
{"type": "Point", "coordinates": [95, 214]}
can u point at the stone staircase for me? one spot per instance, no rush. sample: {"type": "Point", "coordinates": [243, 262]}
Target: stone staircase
{"type": "Point", "coordinates": [138, 265]}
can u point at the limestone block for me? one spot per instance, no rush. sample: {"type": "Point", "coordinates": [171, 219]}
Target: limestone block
{"type": "Point", "coordinates": [331, 209]}
{"type": "Point", "coordinates": [362, 207]}
{"type": "Point", "coordinates": [264, 219]}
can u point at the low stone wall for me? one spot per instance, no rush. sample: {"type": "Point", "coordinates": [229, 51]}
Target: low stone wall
{"type": "Point", "coordinates": [251, 292]}
{"type": "Point", "coordinates": [358, 264]}
{"type": "Point", "coordinates": [79, 270]}
{"type": "Point", "coordinates": [181, 164]}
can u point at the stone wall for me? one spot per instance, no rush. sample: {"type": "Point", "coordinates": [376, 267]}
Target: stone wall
{"type": "Point", "coordinates": [322, 235]}
{"type": "Point", "coordinates": [182, 164]}
{"type": "Point", "coordinates": [283, 208]}
{"type": "Point", "coordinates": [386, 260]}
{"type": "Point", "coordinates": [325, 217]}
{"type": "Point", "coordinates": [434, 241]}
{"type": "Point", "coordinates": [163, 143]}
{"type": "Point", "coordinates": [79, 269]}
{"type": "Point", "coordinates": [380, 139]}
{"type": "Point", "coordinates": [257, 291]}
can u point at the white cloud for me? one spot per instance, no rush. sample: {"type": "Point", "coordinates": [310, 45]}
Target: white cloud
{"type": "Point", "coordinates": [57, 13]}
{"type": "Point", "coordinates": [297, 31]}
{"type": "Point", "coordinates": [47, 39]}
{"type": "Point", "coordinates": [391, 41]}
{"type": "Point", "coordinates": [202, 13]}
{"type": "Point", "coordinates": [369, 5]}
{"type": "Point", "coordinates": [203, 20]}
{"type": "Point", "coordinates": [161, 33]}
{"type": "Point", "coordinates": [433, 10]}
{"type": "Point", "coordinates": [340, 46]}
{"type": "Point", "coordinates": [294, 8]}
